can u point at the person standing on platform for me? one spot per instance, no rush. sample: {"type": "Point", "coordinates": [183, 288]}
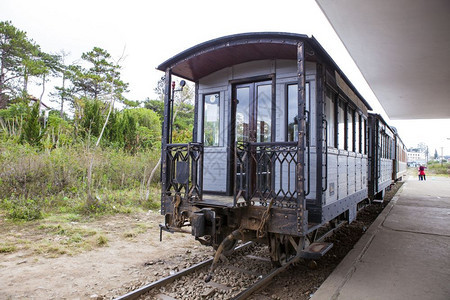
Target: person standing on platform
{"type": "Point", "coordinates": [422, 173]}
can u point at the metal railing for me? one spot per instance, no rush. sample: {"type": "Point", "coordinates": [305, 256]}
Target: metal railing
{"type": "Point", "coordinates": [185, 170]}
{"type": "Point", "coordinates": [266, 172]}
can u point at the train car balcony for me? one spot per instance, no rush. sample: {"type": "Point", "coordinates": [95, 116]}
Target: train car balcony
{"type": "Point", "coordinates": [264, 174]}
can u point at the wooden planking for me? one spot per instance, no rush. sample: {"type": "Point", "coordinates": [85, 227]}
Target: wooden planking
{"type": "Point", "coordinates": [332, 175]}
{"type": "Point", "coordinates": [364, 171]}
{"type": "Point", "coordinates": [351, 177]}
{"type": "Point", "coordinates": [342, 179]}
{"type": "Point", "coordinates": [215, 171]}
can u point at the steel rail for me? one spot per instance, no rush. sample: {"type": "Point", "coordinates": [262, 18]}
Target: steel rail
{"type": "Point", "coordinates": [166, 280]}
{"type": "Point", "coordinates": [265, 280]}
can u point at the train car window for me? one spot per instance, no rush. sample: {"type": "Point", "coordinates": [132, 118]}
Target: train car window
{"type": "Point", "coordinates": [364, 136]}
{"type": "Point", "coordinates": [388, 147]}
{"type": "Point", "coordinates": [392, 148]}
{"type": "Point", "coordinates": [358, 133]}
{"type": "Point", "coordinates": [212, 120]}
{"type": "Point", "coordinates": [292, 111]}
{"type": "Point", "coordinates": [242, 114]}
{"type": "Point", "coordinates": [341, 126]}
{"type": "Point", "coordinates": [350, 129]}
{"type": "Point", "coordinates": [264, 113]}
{"type": "Point", "coordinates": [330, 112]}
{"type": "Point", "coordinates": [385, 144]}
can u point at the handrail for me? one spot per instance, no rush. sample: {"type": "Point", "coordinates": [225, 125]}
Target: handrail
{"type": "Point", "coordinates": [185, 144]}
{"type": "Point", "coordinates": [379, 162]}
{"type": "Point", "coordinates": [326, 155]}
{"type": "Point", "coordinates": [272, 144]}
{"type": "Point", "coordinates": [308, 143]}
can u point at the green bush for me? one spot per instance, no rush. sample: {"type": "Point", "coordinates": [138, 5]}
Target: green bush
{"type": "Point", "coordinates": [57, 179]}
{"type": "Point", "coordinates": [436, 168]}
{"type": "Point", "coordinates": [32, 132]}
{"type": "Point", "coordinates": [24, 209]}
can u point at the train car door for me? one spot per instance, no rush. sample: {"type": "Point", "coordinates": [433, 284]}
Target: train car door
{"type": "Point", "coordinates": [252, 112]}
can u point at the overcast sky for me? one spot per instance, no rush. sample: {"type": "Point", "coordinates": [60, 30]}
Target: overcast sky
{"type": "Point", "coordinates": [149, 32]}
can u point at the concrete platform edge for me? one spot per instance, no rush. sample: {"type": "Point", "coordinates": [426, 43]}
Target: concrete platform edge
{"type": "Point", "coordinates": [331, 287]}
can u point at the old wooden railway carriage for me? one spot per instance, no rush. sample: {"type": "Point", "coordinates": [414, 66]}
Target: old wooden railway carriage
{"type": "Point", "coordinates": [280, 144]}
{"type": "Point", "coordinates": [400, 158]}
{"type": "Point", "coordinates": [387, 157]}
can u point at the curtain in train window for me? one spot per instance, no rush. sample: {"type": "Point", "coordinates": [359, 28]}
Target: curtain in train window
{"type": "Point", "coordinates": [292, 105]}
{"type": "Point", "coordinates": [350, 129]}
{"type": "Point", "coordinates": [330, 112]}
{"type": "Point", "coordinates": [341, 125]}
{"type": "Point", "coordinates": [212, 120]}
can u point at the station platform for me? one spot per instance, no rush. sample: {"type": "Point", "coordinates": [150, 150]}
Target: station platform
{"type": "Point", "coordinates": [405, 254]}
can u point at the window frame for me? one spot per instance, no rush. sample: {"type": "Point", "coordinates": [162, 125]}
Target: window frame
{"type": "Point", "coordinates": [350, 110]}
{"type": "Point", "coordinates": [286, 105]}
{"type": "Point", "coordinates": [219, 139]}
{"type": "Point", "coordinates": [342, 104]}
{"type": "Point", "coordinates": [333, 96]}
{"type": "Point", "coordinates": [358, 145]}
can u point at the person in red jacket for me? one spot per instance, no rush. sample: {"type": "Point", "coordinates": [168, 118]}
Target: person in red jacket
{"type": "Point", "coordinates": [422, 173]}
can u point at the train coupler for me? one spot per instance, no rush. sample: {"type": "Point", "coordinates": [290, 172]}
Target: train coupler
{"type": "Point", "coordinates": [167, 228]}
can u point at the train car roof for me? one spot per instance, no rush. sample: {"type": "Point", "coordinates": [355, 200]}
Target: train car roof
{"type": "Point", "coordinates": [214, 55]}
{"type": "Point", "coordinates": [379, 117]}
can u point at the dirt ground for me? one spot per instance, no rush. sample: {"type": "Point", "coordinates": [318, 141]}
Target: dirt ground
{"type": "Point", "coordinates": [129, 258]}
{"type": "Point", "coordinates": [123, 252]}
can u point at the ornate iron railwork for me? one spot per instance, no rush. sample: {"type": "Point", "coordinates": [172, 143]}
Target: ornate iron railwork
{"type": "Point", "coordinates": [184, 162]}
{"type": "Point", "coordinates": [272, 170]}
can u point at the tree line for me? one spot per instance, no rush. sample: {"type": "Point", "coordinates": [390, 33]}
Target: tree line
{"type": "Point", "coordinates": [88, 96]}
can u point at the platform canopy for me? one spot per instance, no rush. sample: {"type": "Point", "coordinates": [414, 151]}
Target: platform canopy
{"type": "Point", "coordinates": [402, 48]}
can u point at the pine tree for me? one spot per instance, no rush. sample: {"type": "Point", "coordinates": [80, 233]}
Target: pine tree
{"type": "Point", "coordinates": [32, 132]}
{"type": "Point", "coordinates": [16, 59]}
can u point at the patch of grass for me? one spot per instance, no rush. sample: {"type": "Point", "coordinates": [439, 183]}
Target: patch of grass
{"type": "Point", "coordinates": [102, 241]}
{"type": "Point", "coordinates": [7, 248]}
{"type": "Point", "coordinates": [76, 238]}
{"type": "Point", "coordinates": [65, 217]}
{"type": "Point", "coordinates": [435, 168]}
{"type": "Point", "coordinates": [50, 249]}
{"type": "Point", "coordinates": [68, 239]}
{"type": "Point", "coordinates": [141, 227]}
{"type": "Point", "coordinates": [67, 230]}
{"type": "Point", "coordinates": [130, 234]}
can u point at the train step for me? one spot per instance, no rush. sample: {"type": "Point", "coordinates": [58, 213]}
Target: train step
{"type": "Point", "coordinates": [316, 250]}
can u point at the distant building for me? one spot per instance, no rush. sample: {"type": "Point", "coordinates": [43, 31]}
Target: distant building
{"type": "Point", "coordinates": [416, 156]}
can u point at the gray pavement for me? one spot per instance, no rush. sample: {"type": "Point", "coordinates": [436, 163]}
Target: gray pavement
{"type": "Point", "coordinates": [405, 254]}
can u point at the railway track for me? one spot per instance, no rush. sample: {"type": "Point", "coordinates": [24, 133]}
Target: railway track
{"type": "Point", "coordinates": [236, 278]}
